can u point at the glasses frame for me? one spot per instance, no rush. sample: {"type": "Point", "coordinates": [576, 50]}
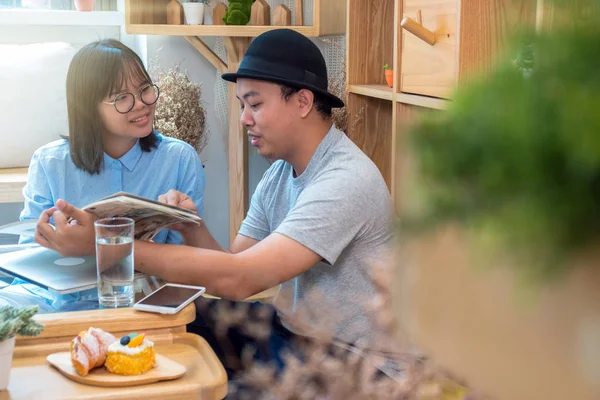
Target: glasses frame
{"type": "Point", "coordinates": [139, 95]}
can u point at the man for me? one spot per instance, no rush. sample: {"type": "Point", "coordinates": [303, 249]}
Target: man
{"type": "Point", "coordinates": [318, 218]}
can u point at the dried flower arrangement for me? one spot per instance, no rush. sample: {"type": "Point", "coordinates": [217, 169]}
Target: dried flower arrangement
{"type": "Point", "coordinates": [321, 370]}
{"type": "Point", "coordinates": [179, 111]}
{"type": "Point", "coordinates": [337, 86]}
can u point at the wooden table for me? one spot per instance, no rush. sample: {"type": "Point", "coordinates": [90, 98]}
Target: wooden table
{"type": "Point", "coordinates": [33, 378]}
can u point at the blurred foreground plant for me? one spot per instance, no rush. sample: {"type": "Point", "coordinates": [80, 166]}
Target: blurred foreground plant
{"type": "Point", "coordinates": [516, 159]}
{"type": "Point", "coordinates": [320, 368]}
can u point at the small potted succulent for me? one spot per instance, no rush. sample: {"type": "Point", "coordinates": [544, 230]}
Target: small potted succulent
{"type": "Point", "coordinates": [238, 12]}
{"type": "Point", "coordinates": [194, 11]}
{"type": "Point", "coordinates": [14, 321]}
{"type": "Point", "coordinates": [389, 75]}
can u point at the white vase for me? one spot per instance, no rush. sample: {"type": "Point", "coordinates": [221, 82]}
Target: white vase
{"type": "Point", "coordinates": [194, 13]}
{"type": "Point", "coordinates": [84, 5]}
{"type": "Point", "coordinates": [6, 354]}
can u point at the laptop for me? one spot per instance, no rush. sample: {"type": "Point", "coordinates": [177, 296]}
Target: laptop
{"type": "Point", "coordinates": [50, 270]}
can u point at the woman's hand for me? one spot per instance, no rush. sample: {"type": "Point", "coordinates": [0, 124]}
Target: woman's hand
{"type": "Point", "coordinates": [73, 233]}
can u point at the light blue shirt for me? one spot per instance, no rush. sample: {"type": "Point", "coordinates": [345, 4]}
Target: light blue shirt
{"type": "Point", "coordinates": [173, 164]}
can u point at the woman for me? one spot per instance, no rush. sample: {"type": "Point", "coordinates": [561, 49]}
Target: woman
{"type": "Point", "coordinates": [112, 146]}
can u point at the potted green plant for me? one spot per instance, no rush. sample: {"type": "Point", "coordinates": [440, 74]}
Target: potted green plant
{"type": "Point", "coordinates": [194, 11]}
{"type": "Point", "coordinates": [389, 75]}
{"type": "Point", "coordinates": [500, 215]}
{"type": "Point", "coordinates": [238, 12]}
{"type": "Point", "coordinates": [14, 321]}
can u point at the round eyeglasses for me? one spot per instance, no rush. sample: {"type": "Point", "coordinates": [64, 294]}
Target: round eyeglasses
{"type": "Point", "coordinates": [124, 102]}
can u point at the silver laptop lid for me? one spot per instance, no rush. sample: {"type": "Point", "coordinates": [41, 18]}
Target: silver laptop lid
{"type": "Point", "coordinates": [50, 270]}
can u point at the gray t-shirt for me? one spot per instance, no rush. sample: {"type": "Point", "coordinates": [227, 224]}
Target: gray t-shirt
{"type": "Point", "coordinates": [340, 208]}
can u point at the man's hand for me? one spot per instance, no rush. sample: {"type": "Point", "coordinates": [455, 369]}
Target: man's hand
{"type": "Point", "coordinates": [73, 234]}
{"type": "Point", "coordinates": [178, 199]}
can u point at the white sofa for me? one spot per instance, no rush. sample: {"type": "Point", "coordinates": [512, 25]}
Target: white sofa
{"type": "Point", "coordinates": [32, 98]}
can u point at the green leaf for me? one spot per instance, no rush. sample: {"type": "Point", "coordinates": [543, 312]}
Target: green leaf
{"type": "Point", "coordinates": [515, 159]}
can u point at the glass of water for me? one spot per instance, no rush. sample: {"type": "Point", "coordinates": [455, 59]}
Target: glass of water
{"type": "Point", "coordinates": [114, 260]}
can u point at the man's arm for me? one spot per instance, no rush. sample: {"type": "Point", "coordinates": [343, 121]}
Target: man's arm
{"type": "Point", "coordinates": [238, 276]}
{"type": "Point", "coordinates": [198, 235]}
{"type": "Point", "coordinates": [257, 266]}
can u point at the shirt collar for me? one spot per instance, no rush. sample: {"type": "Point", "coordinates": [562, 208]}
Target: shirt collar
{"type": "Point", "coordinates": [129, 159]}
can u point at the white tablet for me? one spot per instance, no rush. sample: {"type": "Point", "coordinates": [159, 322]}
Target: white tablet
{"type": "Point", "coordinates": [169, 299]}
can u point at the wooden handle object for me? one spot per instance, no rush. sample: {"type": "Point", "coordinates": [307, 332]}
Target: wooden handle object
{"type": "Point", "coordinates": [418, 30]}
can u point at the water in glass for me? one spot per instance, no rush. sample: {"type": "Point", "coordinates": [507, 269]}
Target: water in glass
{"type": "Point", "coordinates": [115, 271]}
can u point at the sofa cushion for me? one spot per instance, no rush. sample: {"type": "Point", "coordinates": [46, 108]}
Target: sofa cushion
{"type": "Point", "coordinates": [33, 108]}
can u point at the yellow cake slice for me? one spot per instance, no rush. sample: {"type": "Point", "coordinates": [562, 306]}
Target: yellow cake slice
{"type": "Point", "coordinates": [132, 355]}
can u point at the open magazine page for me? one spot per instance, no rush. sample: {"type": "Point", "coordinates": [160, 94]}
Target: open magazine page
{"type": "Point", "coordinates": [148, 219]}
{"type": "Point", "coordinates": [143, 201]}
{"type": "Point", "coordinates": [149, 215]}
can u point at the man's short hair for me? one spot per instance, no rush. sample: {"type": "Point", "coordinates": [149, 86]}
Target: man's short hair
{"type": "Point", "coordinates": [322, 104]}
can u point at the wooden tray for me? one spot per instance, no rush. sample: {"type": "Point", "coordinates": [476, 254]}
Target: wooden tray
{"type": "Point", "coordinates": [31, 377]}
{"type": "Point", "coordinates": [164, 370]}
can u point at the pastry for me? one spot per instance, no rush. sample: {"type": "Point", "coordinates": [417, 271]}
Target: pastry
{"type": "Point", "coordinates": [132, 355]}
{"type": "Point", "coordinates": [89, 349]}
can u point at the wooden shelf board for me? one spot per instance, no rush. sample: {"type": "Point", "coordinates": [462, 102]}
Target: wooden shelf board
{"type": "Point", "coordinates": [383, 92]}
{"type": "Point", "coordinates": [12, 181]}
{"type": "Point", "coordinates": [60, 17]}
{"type": "Point", "coordinates": [213, 30]}
{"type": "Point", "coordinates": [422, 101]}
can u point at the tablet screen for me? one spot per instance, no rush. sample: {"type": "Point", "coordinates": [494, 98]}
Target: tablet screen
{"type": "Point", "coordinates": [170, 296]}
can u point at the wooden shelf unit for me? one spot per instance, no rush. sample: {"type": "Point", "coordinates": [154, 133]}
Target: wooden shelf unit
{"type": "Point", "coordinates": [211, 30]}
{"type": "Point", "coordinates": [378, 114]}
{"type": "Point", "coordinates": [149, 17]}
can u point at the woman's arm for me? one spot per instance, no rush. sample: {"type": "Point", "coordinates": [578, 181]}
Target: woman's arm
{"type": "Point", "coordinates": [36, 193]}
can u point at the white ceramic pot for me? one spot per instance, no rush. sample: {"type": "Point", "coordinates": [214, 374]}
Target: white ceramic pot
{"type": "Point", "coordinates": [84, 5]}
{"type": "Point", "coordinates": [6, 354]}
{"type": "Point", "coordinates": [194, 13]}
{"type": "Point", "coordinates": [477, 322]}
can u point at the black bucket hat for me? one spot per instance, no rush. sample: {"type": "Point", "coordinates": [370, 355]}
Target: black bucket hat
{"type": "Point", "coordinates": [287, 57]}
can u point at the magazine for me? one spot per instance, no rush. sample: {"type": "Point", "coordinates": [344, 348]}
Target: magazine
{"type": "Point", "coordinates": [150, 216]}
